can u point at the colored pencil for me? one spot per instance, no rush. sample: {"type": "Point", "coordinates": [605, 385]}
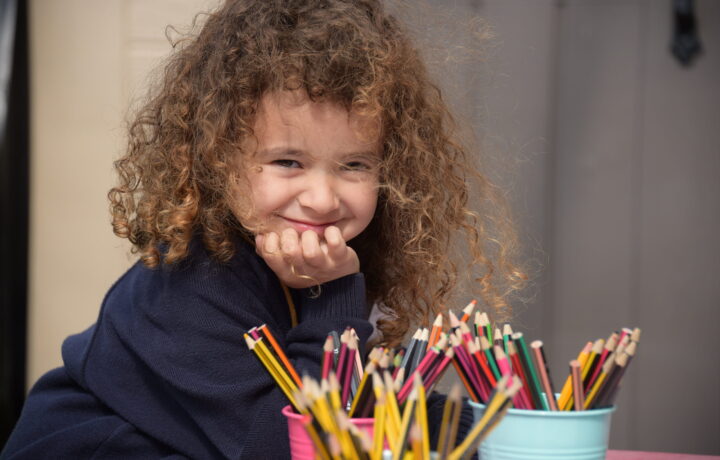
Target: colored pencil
{"type": "Point", "coordinates": [592, 360]}
{"type": "Point", "coordinates": [541, 364]}
{"type": "Point", "coordinates": [467, 311]}
{"type": "Point", "coordinates": [327, 362]}
{"type": "Point", "coordinates": [529, 368]}
{"type": "Point", "coordinates": [450, 422]}
{"type": "Point", "coordinates": [279, 352]}
{"type": "Point", "coordinates": [494, 411]}
{"type": "Point", "coordinates": [437, 372]}
{"type": "Point", "coordinates": [610, 345]}
{"type": "Point", "coordinates": [485, 346]}
{"type": "Point", "coordinates": [606, 370]}
{"type": "Point", "coordinates": [380, 415]}
{"type": "Point", "coordinates": [578, 396]}
{"type": "Point", "coordinates": [565, 400]}
{"type": "Point", "coordinates": [497, 337]}
{"type": "Point", "coordinates": [398, 449]}
{"type": "Point", "coordinates": [422, 418]}
{"type": "Point", "coordinates": [506, 335]}
{"type": "Point", "coordinates": [435, 331]}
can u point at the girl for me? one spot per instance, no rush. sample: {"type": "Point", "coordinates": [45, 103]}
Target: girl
{"type": "Point", "coordinates": [294, 167]}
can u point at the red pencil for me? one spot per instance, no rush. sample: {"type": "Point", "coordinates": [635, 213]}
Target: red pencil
{"type": "Point", "coordinates": [482, 363]}
{"type": "Point", "coordinates": [348, 371]}
{"type": "Point", "coordinates": [434, 376]}
{"type": "Point", "coordinates": [327, 363]}
{"type": "Point", "coordinates": [610, 345]}
{"type": "Point", "coordinates": [518, 369]}
{"type": "Point", "coordinates": [462, 356]}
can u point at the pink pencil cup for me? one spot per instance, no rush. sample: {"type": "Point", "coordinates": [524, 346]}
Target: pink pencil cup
{"type": "Point", "coordinates": [301, 446]}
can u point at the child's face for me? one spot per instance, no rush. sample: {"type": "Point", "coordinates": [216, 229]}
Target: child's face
{"type": "Point", "coordinates": [311, 168]}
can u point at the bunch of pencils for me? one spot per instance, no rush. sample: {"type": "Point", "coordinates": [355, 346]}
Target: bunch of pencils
{"type": "Point", "coordinates": [593, 381]}
{"type": "Point", "coordinates": [488, 361]}
{"type": "Point", "coordinates": [596, 374]}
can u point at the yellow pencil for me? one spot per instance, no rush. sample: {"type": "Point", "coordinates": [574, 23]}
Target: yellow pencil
{"type": "Point", "coordinates": [494, 411]}
{"type": "Point", "coordinates": [380, 415]}
{"type": "Point", "coordinates": [450, 422]}
{"type": "Point", "coordinates": [361, 388]}
{"type": "Point", "coordinates": [606, 369]}
{"type": "Point", "coordinates": [260, 343]}
{"type": "Point", "coordinates": [594, 354]}
{"type": "Point", "coordinates": [302, 406]}
{"type": "Point", "coordinates": [422, 419]}
{"type": "Point", "coordinates": [288, 391]}
{"type": "Point", "coordinates": [334, 390]}
{"type": "Point", "coordinates": [392, 417]}
{"type": "Point", "coordinates": [398, 448]}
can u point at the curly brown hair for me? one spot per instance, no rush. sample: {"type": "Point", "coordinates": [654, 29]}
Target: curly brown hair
{"type": "Point", "coordinates": [176, 179]}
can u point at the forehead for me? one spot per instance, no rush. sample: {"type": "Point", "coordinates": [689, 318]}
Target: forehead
{"type": "Point", "coordinates": [291, 117]}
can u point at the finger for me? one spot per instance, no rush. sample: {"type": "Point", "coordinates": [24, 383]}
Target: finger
{"type": "Point", "coordinates": [337, 249]}
{"type": "Point", "coordinates": [312, 254]}
{"type": "Point", "coordinates": [271, 254]}
{"type": "Point", "coordinates": [259, 239]}
{"type": "Point", "coordinates": [290, 246]}
{"type": "Point", "coordinates": [271, 244]}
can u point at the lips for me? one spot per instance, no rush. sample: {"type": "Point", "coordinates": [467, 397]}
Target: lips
{"type": "Point", "coordinates": [302, 226]}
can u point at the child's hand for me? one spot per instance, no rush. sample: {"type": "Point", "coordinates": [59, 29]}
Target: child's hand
{"type": "Point", "coordinates": [314, 261]}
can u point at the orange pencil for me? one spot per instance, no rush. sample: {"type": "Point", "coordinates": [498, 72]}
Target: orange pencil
{"type": "Point", "coordinates": [266, 332]}
{"type": "Point", "coordinates": [435, 331]}
{"type": "Point", "coordinates": [467, 311]}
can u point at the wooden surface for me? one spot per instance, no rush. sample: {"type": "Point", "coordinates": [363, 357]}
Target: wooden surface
{"type": "Point", "coordinates": [638, 455]}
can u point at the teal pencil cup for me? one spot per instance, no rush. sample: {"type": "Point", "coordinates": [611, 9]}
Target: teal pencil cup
{"type": "Point", "coordinates": [545, 435]}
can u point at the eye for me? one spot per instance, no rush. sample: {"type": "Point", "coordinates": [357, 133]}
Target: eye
{"type": "Point", "coordinates": [285, 163]}
{"type": "Point", "coordinates": [356, 166]}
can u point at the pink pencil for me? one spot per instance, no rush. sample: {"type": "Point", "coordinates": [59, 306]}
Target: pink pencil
{"type": "Point", "coordinates": [506, 371]}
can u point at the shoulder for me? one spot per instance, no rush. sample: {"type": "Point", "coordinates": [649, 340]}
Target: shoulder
{"type": "Point", "coordinates": [199, 285]}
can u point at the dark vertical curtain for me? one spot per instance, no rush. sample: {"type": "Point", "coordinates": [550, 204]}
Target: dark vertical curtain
{"type": "Point", "coordinates": [14, 205]}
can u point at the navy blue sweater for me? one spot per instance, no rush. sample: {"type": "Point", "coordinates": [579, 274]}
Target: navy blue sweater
{"type": "Point", "coordinates": [165, 371]}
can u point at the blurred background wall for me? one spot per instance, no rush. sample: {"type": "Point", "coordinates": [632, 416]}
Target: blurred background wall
{"type": "Point", "coordinates": [609, 148]}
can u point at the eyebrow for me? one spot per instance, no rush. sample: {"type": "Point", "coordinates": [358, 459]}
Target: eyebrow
{"type": "Point", "coordinates": [299, 152]}
{"type": "Point", "coordinates": [280, 151]}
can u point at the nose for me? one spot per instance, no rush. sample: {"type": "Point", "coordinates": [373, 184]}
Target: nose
{"type": "Point", "coordinates": [320, 194]}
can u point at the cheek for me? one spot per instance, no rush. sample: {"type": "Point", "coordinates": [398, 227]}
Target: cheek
{"type": "Point", "coordinates": [366, 202]}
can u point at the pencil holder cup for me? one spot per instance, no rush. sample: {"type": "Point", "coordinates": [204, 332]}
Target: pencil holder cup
{"type": "Point", "coordinates": [301, 446]}
{"type": "Point", "coordinates": [545, 435]}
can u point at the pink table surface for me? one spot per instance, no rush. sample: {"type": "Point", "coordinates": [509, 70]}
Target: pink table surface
{"type": "Point", "coordinates": [637, 455]}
